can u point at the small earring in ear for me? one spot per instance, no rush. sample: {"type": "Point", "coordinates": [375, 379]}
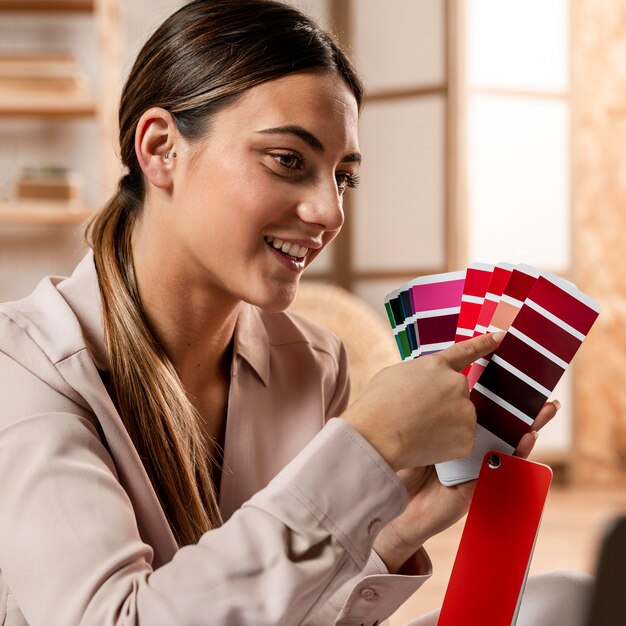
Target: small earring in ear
{"type": "Point", "coordinates": [166, 156]}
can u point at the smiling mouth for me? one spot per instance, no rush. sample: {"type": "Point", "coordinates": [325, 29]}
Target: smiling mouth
{"type": "Point", "coordinates": [292, 250]}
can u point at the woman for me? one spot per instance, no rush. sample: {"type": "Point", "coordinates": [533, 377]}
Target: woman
{"type": "Point", "coordinates": [148, 400]}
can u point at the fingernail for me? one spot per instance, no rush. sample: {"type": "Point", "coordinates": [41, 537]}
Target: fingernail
{"type": "Point", "coordinates": [498, 336]}
{"type": "Point", "coordinates": [557, 404]}
{"type": "Point", "coordinates": [535, 434]}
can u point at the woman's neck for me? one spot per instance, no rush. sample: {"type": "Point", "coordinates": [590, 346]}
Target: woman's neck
{"type": "Point", "coordinates": [193, 322]}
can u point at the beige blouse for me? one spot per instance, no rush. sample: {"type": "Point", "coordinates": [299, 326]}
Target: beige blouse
{"type": "Point", "coordinates": [83, 538]}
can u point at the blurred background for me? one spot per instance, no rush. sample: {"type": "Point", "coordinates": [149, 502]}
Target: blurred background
{"type": "Point", "coordinates": [493, 130]}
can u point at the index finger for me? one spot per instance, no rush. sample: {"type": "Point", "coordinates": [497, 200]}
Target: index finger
{"type": "Point", "coordinates": [464, 353]}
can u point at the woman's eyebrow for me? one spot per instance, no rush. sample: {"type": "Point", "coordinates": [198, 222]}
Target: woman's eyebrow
{"type": "Point", "coordinates": [309, 138]}
{"type": "Point", "coordinates": [298, 131]}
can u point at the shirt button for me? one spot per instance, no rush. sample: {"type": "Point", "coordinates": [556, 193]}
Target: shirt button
{"type": "Point", "coordinates": [368, 594]}
{"type": "Point", "coordinates": [374, 527]}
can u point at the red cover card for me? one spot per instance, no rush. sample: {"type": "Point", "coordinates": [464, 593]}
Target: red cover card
{"type": "Point", "coordinates": [494, 555]}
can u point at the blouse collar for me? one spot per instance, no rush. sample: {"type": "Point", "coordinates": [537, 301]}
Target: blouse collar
{"type": "Point", "coordinates": [82, 292]}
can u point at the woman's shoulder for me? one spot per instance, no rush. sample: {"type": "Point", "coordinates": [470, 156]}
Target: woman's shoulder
{"type": "Point", "coordinates": [38, 336]}
{"type": "Point", "coordinates": [32, 319]}
{"type": "Point", "coordinates": [43, 319]}
{"type": "Point", "coordinates": [52, 317]}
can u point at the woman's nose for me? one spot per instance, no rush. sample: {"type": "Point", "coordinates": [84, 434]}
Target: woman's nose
{"type": "Point", "coordinates": [323, 207]}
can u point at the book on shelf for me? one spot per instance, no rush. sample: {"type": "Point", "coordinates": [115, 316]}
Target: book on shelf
{"type": "Point", "coordinates": [49, 184]}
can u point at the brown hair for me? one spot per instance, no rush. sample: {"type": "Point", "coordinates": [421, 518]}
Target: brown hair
{"type": "Point", "coordinates": [200, 59]}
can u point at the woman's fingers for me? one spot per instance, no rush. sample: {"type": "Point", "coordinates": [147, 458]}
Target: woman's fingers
{"type": "Point", "coordinates": [419, 412]}
{"type": "Point", "coordinates": [546, 414]}
{"type": "Point", "coordinates": [464, 353]}
{"type": "Point", "coordinates": [527, 442]}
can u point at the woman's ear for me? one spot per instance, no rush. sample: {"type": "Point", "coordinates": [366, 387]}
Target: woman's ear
{"type": "Point", "coordinates": [155, 146]}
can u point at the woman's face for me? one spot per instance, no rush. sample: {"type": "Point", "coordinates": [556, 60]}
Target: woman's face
{"type": "Point", "coordinates": [258, 198]}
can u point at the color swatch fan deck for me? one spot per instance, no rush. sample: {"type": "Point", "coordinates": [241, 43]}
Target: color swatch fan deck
{"type": "Point", "coordinates": [546, 319]}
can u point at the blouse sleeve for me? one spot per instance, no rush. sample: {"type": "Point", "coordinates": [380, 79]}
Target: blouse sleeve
{"type": "Point", "coordinates": [341, 396]}
{"type": "Point", "coordinates": [71, 553]}
{"type": "Point", "coordinates": [374, 594]}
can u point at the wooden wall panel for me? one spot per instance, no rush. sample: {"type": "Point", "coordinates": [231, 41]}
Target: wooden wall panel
{"type": "Point", "coordinates": [599, 167]}
{"type": "Point", "coordinates": [398, 221]}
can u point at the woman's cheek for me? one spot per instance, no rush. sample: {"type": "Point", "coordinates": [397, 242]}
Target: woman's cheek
{"type": "Point", "coordinates": [328, 236]}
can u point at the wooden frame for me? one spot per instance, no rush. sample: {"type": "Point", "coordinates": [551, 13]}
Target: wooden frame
{"type": "Point", "coordinates": [61, 108]}
{"type": "Point", "coordinates": [455, 166]}
{"type": "Point", "coordinates": [58, 6]}
{"type": "Point", "coordinates": [52, 214]}
{"type": "Point", "coordinates": [341, 266]}
{"type": "Point", "coordinates": [109, 34]}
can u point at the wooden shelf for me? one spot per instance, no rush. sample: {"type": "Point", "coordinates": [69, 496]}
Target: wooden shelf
{"type": "Point", "coordinates": [47, 107]}
{"type": "Point", "coordinates": [22, 213]}
{"type": "Point", "coordinates": [56, 6]}
{"type": "Point", "coordinates": [49, 101]}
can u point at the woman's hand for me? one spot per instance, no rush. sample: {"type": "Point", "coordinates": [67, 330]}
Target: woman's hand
{"type": "Point", "coordinates": [433, 507]}
{"type": "Point", "coordinates": [419, 412]}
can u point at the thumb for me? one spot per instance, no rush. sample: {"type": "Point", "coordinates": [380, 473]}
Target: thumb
{"type": "Point", "coordinates": [464, 353]}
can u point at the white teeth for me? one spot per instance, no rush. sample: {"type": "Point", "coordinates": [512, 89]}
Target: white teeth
{"type": "Point", "coordinates": [298, 251]}
{"type": "Point", "coordinates": [293, 249]}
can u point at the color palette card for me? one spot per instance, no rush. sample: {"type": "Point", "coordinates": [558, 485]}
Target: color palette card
{"type": "Point", "coordinates": [477, 281]}
{"type": "Point", "coordinates": [475, 287]}
{"type": "Point", "coordinates": [436, 302]}
{"type": "Point", "coordinates": [400, 314]}
{"type": "Point", "coordinates": [424, 312]}
{"type": "Point", "coordinates": [546, 319]}
{"type": "Point", "coordinates": [539, 345]}
{"type": "Point", "coordinates": [499, 280]}
{"type": "Point", "coordinates": [518, 286]}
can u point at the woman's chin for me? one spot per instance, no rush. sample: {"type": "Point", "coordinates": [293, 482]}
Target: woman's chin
{"type": "Point", "coordinates": [277, 301]}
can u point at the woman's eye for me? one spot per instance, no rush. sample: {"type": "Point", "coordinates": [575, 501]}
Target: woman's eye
{"type": "Point", "coordinates": [346, 180]}
{"type": "Point", "coordinates": [289, 160]}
